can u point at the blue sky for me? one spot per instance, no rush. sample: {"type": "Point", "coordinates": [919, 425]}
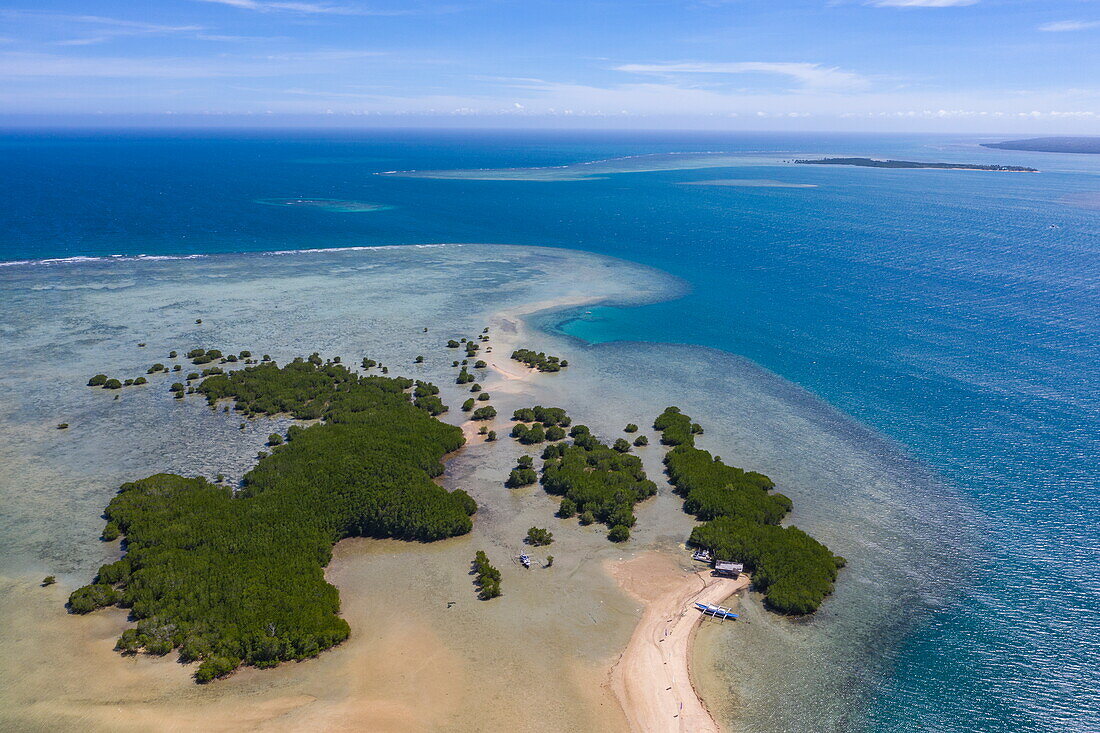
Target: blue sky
{"type": "Point", "coordinates": [952, 65]}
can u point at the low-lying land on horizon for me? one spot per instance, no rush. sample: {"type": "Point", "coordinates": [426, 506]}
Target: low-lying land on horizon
{"type": "Point", "coordinates": [873, 163]}
{"type": "Point", "coordinates": [1051, 145]}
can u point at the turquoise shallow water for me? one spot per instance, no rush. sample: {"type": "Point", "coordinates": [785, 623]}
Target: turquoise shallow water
{"type": "Point", "coordinates": [954, 312]}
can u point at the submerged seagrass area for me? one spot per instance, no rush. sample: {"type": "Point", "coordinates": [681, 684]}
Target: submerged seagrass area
{"type": "Point", "coordinates": [851, 488]}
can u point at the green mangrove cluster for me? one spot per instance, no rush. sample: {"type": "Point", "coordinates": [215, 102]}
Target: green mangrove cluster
{"type": "Point", "coordinates": [102, 380]}
{"type": "Point", "coordinates": [742, 516]}
{"type": "Point", "coordinates": [539, 360]}
{"type": "Point", "coordinates": [595, 481]}
{"type": "Point", "coordinates": [486, 577]}
{"type": "Point", "coordinates": [233, 578]}
{"type": "Point", "coordinates": [598, 482]}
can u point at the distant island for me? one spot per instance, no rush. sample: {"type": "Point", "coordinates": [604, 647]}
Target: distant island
{"type": "Point", "coordinates": [872, 163]}
{"type": "Point", "coordinates": [1051, 145]}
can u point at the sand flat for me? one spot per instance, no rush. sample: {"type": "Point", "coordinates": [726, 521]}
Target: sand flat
{"type": "Point", "coordinates": [651, 680]}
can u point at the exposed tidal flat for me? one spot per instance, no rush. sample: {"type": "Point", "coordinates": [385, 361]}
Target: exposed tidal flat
{"type": "Point", "coordinates": [588, 170]}
{"type": "Point", "coordinates": [748, 183]}
{"type": "Point", "coordinates": [538, 657]}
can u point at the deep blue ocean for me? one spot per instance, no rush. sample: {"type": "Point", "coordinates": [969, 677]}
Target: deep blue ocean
{"type": "Point", "coordinates": [957, 312]}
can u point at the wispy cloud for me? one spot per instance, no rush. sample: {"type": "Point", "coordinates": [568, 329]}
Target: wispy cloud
{"type": "Point", "coordinates": [24, 65]}
{"type": "Point", "coordinates": [807, 75]}
{"type": "Point", "coordinates": [1069, 25]}
{"type": "Point", "coordinates": [307, 8]}
{"type": "Point", "coordinates": [102, 22]}
{"type": "Point", "coordinates": [921, 3]}
{"type": "Point", "coordinates": [101, 27]}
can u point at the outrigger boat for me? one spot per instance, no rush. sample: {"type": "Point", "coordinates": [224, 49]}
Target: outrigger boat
{"type": "Point", "coordinates": [702, 556]}
{"type": "Point", "coordinates": [716, 611]}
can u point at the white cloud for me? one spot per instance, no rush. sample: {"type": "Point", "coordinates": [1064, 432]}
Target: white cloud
{"type": "Point", "coordinates": [1069, 25]}
{"type": "Point", "coordinates": [83, 41]}
{"type": "Point", "coordinates": [922, 3]}
{"type": "Point", "coordinates": [809, 76]}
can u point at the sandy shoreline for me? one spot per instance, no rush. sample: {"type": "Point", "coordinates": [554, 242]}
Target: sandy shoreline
{"type": "Point", "coordinates": [509, 331]}
{"type": "Point", "coordinates": [652, 680]}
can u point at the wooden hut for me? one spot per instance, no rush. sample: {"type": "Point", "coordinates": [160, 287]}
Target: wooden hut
{"type": "Point", "coordinates": [728, 569]}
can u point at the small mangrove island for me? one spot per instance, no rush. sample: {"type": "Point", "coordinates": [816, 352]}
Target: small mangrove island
{"type": "Point", "coordinates": [598, 482]}
{"type": "Point", "coordinates": [539, 360]}
{"type": "Point", "coordinates": [236, 577]}
{"type": "Point", "coordinates": [741, 516]}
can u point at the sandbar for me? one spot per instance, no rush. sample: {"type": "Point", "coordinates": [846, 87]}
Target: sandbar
{"type": "Point", "coordinates": [651, 680]}
{"type": "Point", "coordinates": [748, 183]}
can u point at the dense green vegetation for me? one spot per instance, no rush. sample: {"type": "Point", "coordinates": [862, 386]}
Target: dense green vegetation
{"type": "Point", "coordinates": [199, 356]}
{"type": "Point", "coordinates": [233, 578]}
{"type": "Point", "coordinates": [539, 360]}
{"type": "Point", "coordinates": [487, 578]}
{"type": "Point", "coordinates": [598, 481]}
{"type": "Point", "coordinates": [595, 480]}
{"type": "Point", "coordinates": [794, 570]}
{"type": "Point", "coordinates": [539, 537]}
{"type": "Point", "coordinates": [676, 428]}
{"type": "Point", "coordinates": [522, 475]}
{"type": "Point", "coordinates": [426, 397]}
{"type": "Point", "coordinates": [548, 416]}
{"type": "Point", "coordinates": [742, 515]}
{"type": "Point", "coordinates": [484, 413]}
{"type": "Point", "coordinates": [529, 435]}
{"type": "Point", "coordinates": [98, 380]}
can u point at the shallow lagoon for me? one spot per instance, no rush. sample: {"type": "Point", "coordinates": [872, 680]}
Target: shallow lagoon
{"type": "Point", "coordinates": [536, 657]}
